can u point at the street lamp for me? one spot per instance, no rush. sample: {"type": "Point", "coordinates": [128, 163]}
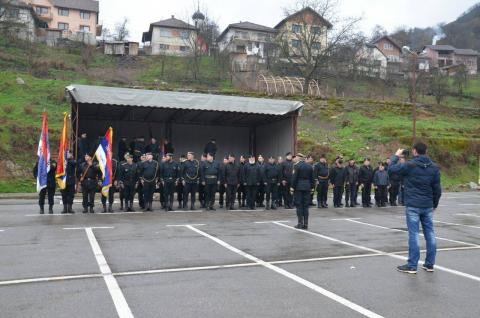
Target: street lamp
{"type": "Point", "coordinates": [414, 56]}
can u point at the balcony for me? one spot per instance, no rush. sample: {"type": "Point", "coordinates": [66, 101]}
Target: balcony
{"type": "Point", "coordinates": [46, 17]}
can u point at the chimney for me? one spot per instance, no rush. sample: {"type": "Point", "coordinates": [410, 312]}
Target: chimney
{"type": "Point", "coordinates": [173, 17]}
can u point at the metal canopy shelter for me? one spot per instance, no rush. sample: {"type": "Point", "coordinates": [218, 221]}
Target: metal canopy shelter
{"type": "Point", "coordinates": [240, 124]}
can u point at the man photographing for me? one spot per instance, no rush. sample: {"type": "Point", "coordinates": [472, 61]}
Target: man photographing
{"type": "Point", "coordinates": [422, 194]}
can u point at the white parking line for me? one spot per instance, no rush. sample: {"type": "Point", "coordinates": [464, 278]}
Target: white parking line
{"type": "Point", "coordinates": [47, 279]}
{"type": "Point", "coordinates": [398, 230]}
{"type": "Point", "coordinates": [438, 267]}
{"type": "Point", "coordinates": [123, 310]}
{"type": "Point", "coordinates": [97, 213]}
{"type": "Point", "coordinates": [287, 274]}
{"type": "Point", "coordinates": [457, 224]}
{"type": "Point", "coordinates": [468, 214]}
{"type": "Point", "coordinates": [469, 204]}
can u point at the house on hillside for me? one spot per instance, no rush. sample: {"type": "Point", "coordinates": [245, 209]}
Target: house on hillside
{"type": "Point", "coordinates": [301, 25]}
{"type": "Point", "coordinates": [389, 47]}
{"type": "Point", "coordinates": [18, 19]}
{"type": "Point", "coordinates": [120, 48]}
{"type": "Point", "coordinates": [247, 44]}
{"type": "Point", "coordinates": [446, 56]}
{"type": "Point", "coordinates": [172, 37]}
{"type": "Point", "coordinates": [372, 62]}
{"type": "Point", "coordinates": [76, 20]}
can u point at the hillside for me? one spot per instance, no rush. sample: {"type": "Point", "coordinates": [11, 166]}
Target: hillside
{"type": "Point", "coordinates": [464, 32]}
{"type": "Point", "coordinates": [366, 122]}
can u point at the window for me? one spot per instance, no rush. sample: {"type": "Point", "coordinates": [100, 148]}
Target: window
{"type": "Point", "coordinates": [165, 33]}
{"type": "Point", "coordinates": [164, 46]}
{"type": "Point", "coordinates": [387, 46]}
{"type": "Point", "coordinates": [41, 10]}
{"type": "Point", "coordinates": [296, 43]}
{"type": "Point", "coordinates": [249, 46]}
{"type": "Point", "coordinates": [316, 45]}
{"type": "Point", "coordinates": [84, 28]}
{"type": "Point", "coordinates": [240, 48]}
{"type": "Point", "coordinates": [296, 28]}
{"type": "Point", "coordinates": [316, 30]}
{"type": "Point", "coordinates": [63, 12]}
{"type": "Point", "coordinates": [84, 15]}
{"type": "Point", "coordinates": [63, 26]}
{"type": "Point", "coordinates": [183, 48]}
{"type": "Point", "coordinates": [13, 13]}
{"type": "Point", "coordinates": [185, 35]}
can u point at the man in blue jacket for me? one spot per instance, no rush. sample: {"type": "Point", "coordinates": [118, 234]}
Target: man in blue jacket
{"type": "Point", "coordinates": [422, 194]}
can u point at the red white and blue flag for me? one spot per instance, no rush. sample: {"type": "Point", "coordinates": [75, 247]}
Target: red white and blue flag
{"type": "Point", "coordinates": [104, 157]}
{"type": "Point", "coordinates": [43, 154]}
{"type": "Point", "coordinates": [61, 173]}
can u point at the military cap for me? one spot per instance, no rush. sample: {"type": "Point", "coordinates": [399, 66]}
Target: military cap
{"type": "Point", "coordinates": [300, 155]}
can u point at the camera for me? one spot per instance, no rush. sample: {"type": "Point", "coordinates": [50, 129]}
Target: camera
{"type": "Point", "coordinates": [406, 153]}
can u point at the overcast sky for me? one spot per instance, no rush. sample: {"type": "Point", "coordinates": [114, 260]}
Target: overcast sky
{"type": "Point", "coordinates": [389, 14]}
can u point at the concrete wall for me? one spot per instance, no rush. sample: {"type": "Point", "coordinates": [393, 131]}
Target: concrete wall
{"type": "Point", "coordinates": [275, 139]}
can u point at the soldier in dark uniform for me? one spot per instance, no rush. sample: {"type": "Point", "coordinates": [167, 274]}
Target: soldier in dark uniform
{"type": "Point", "coordinates": [260, 197]}
{"type": "Point", "coordinates": [302, 184]}
{"type": "Point", "coordinates": [169, 178]}
{"type": "Point", "coordinates": [222, 188]}
{"type": "Point", "coordinates": [211, 176]}
{"type": "Point", "coordinates": [84, 147]}
{"type": "Point", "coordinates": [89, 175]}
{"type": "Point", "coordinates": [128, 180]}
{"type": "Point", "coordinates": [393, 191]}
{"type": "Point", "coordinates": [121, 190]}
{"type": "Point", "coordinates": [241, 191]}
{"type": "Point", "coordinates": [251, 180]}
{"type": "Point", "coordinates": [231, 181]}
{"type": "Point", "coordinates": [179, 188]}
{"type": "Point", "coordinates": [190, 176]}
{"type": "Point", "coordinates": [211, 147]}
{"type": "Point", "coordinates": [365, 178]}
{"type": "Point", "coordinates": [122, 149]}
{"type": "Point", "coordinates": [69, 192]}
{"type": "Point", "coordinates": [280, 187]}
{"type": "Point", "coordinates": [351, 182]}
{"type": "Point", "coordinates": [49, 190]}
{"type": "Point", "coordinates": [322, 174]}
{"type": "Point", "coordinates": [337, 179]}
{"type": "Point", "coordinates": [112, 189]}
{"type": "Point", "coordinates": [311, 161]}
{"type": "Point", "coordinates": [138, 148]}
{"type": "Point", "coordinates": [287, 169]}
{"type": "Point", "coordinates": [201, 186]}
{"type": "Point", "coordinates": [271, 179]}
{"type": "Point", "coordinates": [141, 200]}
{"type": "Point", "coordinates": [148, 175]}
{"type": "Point", "coordinates": [154, 148]}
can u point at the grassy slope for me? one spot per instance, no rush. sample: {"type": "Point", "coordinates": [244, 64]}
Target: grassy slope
{"type": "Point", "coordinates": [353, 127]}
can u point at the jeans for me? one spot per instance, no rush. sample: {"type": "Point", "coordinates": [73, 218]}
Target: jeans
{"type": "Point", "coordinates": [415, 216]}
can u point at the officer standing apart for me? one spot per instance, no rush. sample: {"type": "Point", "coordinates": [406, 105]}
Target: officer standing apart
{"type": "Point", "coordinates": [190, 176]}
{"type": "Point", "coordinates": [211, 176]}
{"type": "Point", "coordinates": [321, 173]}
{"type": "Point", "coordinates": [302, 184]}
{"type": "Point", "coordinates": [90, 175]}
{"type": "Point", "coordinates": [422, 194]}
{"type": "Point", "coordinates": [232, 180]}
{"type": "Point", "coordinates": [148, 177]}
{"type": "Point", "coordinates": [69, 192]}
{"type": "Point", "coordinates": [49, 190]}
{"type": "Point", "coordinates": [169, 178]}
{"type": "Point", "coordinates": [128, 176]}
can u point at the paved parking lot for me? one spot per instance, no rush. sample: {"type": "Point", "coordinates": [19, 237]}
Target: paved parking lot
{"type": "Point", "coordinates": [235, 264]}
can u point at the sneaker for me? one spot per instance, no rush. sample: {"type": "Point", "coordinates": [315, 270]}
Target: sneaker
{"type": "Point", "coordinates": [407, 269]}
{"type": "Point", "coordinates": [428, 268]}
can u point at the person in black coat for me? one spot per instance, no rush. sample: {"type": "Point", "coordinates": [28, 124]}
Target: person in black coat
{"type": "Point", "coordinates": [122, 149]}
{"type": "Point", "coordinates": [271, 179]}
{"type": "Point", "coordinates": [148, 173]}
{"type": "Point", "coordinates": [89, 175]}
{"type": "Point", "coordinates": [128, 176]}
{"type": "Point", "coordinates": [260, 197]}
{"type": "Point", "coordinates": [302, 184]}
{"type": "Point", "coordinates": [211, 177]}
{"type": "Point", "coordinates": [68, 193]}
{"type": "Point", "coordinates": [322, 174]}
{"type": "Point", "coordinates": [154, 148]}
{"type": "Point", "coordinates": [337, 179]}
{"type": "Point", "coordinates": [49, 190]}
{"type": "Point", "coordinates": [231, 181]}
{"type": "Point", "coordinates": [251, 180]}
{"type": "Point", "coordinates": [287, 169]}
{"type": "Point", "coordinates": [365, 179]}
{"type": "Point", "coordinates": [169, 178]}
{"type": "Point", "coordinates": [242, 190]}
{"type": "Point", "coordinates": [222, 189]}
{"type": "Point", "coordinates": [84, 147]}
{"type": "Point", "coordinates": [190, 177]}
{"type": "Point", "coordinates": [112, 189]}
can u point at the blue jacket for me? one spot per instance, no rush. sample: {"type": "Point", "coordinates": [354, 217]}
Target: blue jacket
{"type": "Point", "coordinates": [381, 178]}
{"type": "Point", "coordinates": [421, 180]}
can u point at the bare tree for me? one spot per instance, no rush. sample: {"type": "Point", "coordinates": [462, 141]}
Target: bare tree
{"type": "Point", "coordinates": [460, 79]}
{"type": "Point", "coordinates": [309, 50]}
{"type": "Point", "coordinates": [121, 32]}
{"type": "Point", "coordinates": [439, 85]}
{"type": "Point", "coordinates": [377, 32]}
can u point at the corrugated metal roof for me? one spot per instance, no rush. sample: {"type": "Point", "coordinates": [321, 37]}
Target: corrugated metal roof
{"type": "Point", "coordinates": [180, 100]}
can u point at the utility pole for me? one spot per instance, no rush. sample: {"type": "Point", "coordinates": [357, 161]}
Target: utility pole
{"type": "Point", "coordinates": [413, 59]}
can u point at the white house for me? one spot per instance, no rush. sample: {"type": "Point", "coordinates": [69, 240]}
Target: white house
{"type": "Point", "coordinates": [372, 61]}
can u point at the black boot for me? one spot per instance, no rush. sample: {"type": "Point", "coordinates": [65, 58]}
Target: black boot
{"type": "Point", "coordinates": [184, 205]}
{"type": "Point", "coordinates": [104, 208]}
{"type": "Point", "coordinates": [305, 224]}
{"type": "Point", "coordinates": [91, 210]}
{"type": "Point", "coordinates": [300, 223]}
{"type": "Point", "coordinates": [42, 210]}
{"type": "Point", "coordinates": [274, 206]}
{"type": "Point", "coordinates": [192, 206]}
{"type": "Point", "coordinates": [268, 205]}
{"type": "Point", "coordinates": [50, 209]}
{"type": "Point", "coordinates": [121, 205]}
{"type": "Point", "coordinates": [65, 209]}
{"type": "Point", "coordinates": [85, 209]}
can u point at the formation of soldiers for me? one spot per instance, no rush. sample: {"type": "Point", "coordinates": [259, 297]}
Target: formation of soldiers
{"type": "Point", "coordinates": [244, 183]}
